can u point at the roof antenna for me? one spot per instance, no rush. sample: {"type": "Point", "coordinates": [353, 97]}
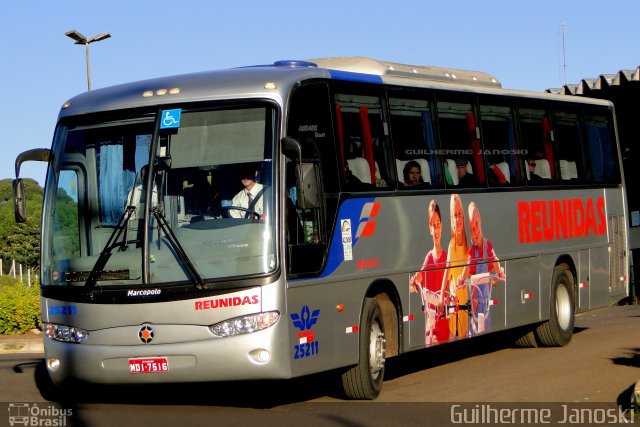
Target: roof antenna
{"type": "Point", "coordinates": [564, 55]}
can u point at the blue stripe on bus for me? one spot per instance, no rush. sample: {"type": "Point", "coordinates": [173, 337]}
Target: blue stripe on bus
{"type": "Point", "coordinates": [350, 209]}
{"type": "Point", "coordinates": [355, 77]}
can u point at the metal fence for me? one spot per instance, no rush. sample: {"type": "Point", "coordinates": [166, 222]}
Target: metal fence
{"type": "Point", "coordinates": [18, 271]}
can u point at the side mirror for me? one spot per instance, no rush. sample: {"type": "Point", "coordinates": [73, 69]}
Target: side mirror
{"type": "Point", "coordinates": [19, 203]}
{"type": "Point", "coordinates": [292, 149]}
{"type": "Point", "coordinates": [36, 154]}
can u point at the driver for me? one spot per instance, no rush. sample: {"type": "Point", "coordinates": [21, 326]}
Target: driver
{"type": "Point", "coordinates": [250, 197]}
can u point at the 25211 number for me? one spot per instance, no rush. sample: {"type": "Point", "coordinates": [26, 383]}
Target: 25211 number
{"type": "Point", "coordinates": [305, 350]}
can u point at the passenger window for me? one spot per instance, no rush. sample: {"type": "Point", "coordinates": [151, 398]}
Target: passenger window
{"type": "Point", "coordinates": [414, 144]}
{"type": "Point", "coordinates": [463, 162]}
{"type": "Point", "coordinates": [537, 156]}
{"type": "Point", "coordinates": [602, 149]}
{"type": "Point", "coordinates": [569, 146]}
{"type": "Point", "coordinates": [362, 141]}
{"type": "Point", "coordinates": [500, 145]}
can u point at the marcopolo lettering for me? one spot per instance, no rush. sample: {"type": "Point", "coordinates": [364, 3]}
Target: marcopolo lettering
{"type": "Point", "coordinates": [547, 220]}
{"type": "Point", "coordinates": [143, 292]}
{"type": "Point", "coordinates": [226, 302]}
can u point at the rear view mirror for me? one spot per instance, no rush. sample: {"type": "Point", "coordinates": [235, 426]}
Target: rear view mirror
{"type": "Point", "coordinates": [19, 203]}
{"type": "Point", "coordinates": [292, 149]}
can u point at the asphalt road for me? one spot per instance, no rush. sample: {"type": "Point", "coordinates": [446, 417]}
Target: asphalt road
{"type": "Point", "coordinates": [421, 388]}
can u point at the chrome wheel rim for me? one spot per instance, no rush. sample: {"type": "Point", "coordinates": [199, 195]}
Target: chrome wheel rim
{"type": "Point", "coordinates": [376, 350]}
{"type": "Point", "coordinates": [563, 307]}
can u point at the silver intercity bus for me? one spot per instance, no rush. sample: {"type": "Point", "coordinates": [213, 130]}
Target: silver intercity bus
{"type": "Point", "coordinates": [275, 221]}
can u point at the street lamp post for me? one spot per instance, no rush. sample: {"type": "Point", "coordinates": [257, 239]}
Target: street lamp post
{"type": "Point", "coordinates": [80, 39]}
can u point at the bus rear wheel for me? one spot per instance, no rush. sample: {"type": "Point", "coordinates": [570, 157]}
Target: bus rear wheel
{"type": "Point", "coordinates": [558, 330]}
{"type": "Point", "coordinates": [364, 381]}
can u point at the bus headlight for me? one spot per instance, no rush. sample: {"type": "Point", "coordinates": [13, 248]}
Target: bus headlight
{"type": "Point", "coordinates": [245, 324]}
{"type": "Point", "coordinates": [65, 333]}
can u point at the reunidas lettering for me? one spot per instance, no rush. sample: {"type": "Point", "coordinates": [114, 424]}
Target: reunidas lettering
{"type": "Point", "coordinates": [226, 302]}
{"type": "Point", "coordinates": [548, 220]}
{"type": "Point", "coordinates": [143, 293]}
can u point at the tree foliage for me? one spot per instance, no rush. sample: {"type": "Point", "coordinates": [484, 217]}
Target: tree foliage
{"type": "Point", "coordinates": [20, 241]}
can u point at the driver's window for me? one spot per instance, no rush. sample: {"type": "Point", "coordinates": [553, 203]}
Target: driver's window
{"type": "Point", "coordinates": [303, 225]}
{"type": "Point", "coordinates": [66, 244]}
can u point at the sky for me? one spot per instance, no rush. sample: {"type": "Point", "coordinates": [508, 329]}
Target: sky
{"type": "Point", "coordinates": [526, 45]}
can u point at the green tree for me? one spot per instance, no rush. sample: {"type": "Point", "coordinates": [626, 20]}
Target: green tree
{"type": "Point", "coordinates": [20, 241]}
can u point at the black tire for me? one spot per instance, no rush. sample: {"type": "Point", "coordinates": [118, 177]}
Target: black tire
{"type": "Point", "coordinates": [558, 330]}
{"type": "Point", "coordinates": [364, 381]}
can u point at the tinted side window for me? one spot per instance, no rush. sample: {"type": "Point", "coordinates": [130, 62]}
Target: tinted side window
{"type": "Point", "coordinates": [500, 144]}
{"type": "Point", "coordinates": [362, 141]}
{"type": "Point", "coordinates": [602, 148]}
{"type": "Point", "coordinates": [310, 122]}
{"type": "Point", "coordinates": [463, 162]}
{"type": "Point", "coordinates": [537, 155]}
{"type": "Point", "coordinates": [414, 142]}
{"type": "Point", "coordinates": [569, 145]}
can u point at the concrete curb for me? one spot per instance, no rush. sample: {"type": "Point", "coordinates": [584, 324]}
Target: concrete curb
{"type": "Point", "coordinates": [30, 343]}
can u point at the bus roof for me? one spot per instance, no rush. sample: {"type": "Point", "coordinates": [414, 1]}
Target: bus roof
{"type": "Point", "coordinates": [414, 72]}
{"type": "Point", "coordinates": [274, 81]}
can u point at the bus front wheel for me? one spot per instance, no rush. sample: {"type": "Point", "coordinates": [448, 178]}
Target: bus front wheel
{"type": "Point", "coordinates": [364, 381]}
{"type": "Point", "coordinates": [558, 330]}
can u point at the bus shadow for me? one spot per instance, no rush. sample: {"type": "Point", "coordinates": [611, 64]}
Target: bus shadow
{"type": "Point", "coordinates": [427, 358]}
{"type": "Point", "coordinates": [260, 394]}
{"type": "Point", "coordinates": [264, 394]}
{"type": "Point", "coordinates": [632, 358]}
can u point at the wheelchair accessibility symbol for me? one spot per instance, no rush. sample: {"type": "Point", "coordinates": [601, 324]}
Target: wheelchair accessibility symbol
{"type": "Point", "coordinates": [170, 119]}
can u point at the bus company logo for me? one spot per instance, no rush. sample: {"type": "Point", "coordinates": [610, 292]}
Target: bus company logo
{"type": "Point", "coordinates": [146, 334]}
{"type": "Point", "coordinates": [547, 220]}
{"type": "Point", "coordinates": [226, 302]}
{"type": "Point", "coordinates": [304, 321]}
{"type": "Point", "coordinates": [38, 414]}
{"type": "Point", "coordinates": [367, 227]}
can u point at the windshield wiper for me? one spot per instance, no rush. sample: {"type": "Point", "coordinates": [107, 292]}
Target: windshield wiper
{"type": "Point", "coordinates": [190, 269]}
{"type": "Point", "coordinates": [105, 254]}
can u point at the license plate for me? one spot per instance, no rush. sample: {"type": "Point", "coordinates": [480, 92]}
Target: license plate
{"type": "Point", "coordinates": [148, 365]}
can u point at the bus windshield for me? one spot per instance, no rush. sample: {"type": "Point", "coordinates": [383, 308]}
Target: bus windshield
{"type": "Point", "coordinates": [206, 203]}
